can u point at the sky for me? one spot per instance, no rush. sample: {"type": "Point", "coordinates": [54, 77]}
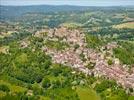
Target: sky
{"type": "Point", "coordinates": [69, 2]}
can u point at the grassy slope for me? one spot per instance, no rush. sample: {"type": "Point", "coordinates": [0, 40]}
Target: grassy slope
{"type": "Point", "coordinates": [87, 94]}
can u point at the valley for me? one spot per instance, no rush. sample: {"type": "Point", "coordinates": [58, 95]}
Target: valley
{"type": "Point", "coordinates": [66, 53]}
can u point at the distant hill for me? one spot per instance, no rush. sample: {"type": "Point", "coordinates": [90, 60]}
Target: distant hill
{"type": "Point", "coordinates": [15, 11]}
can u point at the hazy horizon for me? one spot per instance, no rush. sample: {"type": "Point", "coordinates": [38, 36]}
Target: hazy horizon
{"type": "Point", "coordinates": [68, 2]}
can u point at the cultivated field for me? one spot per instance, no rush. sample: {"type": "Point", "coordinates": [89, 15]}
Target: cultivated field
{"type": "Point", "coordinates": [125, 25]}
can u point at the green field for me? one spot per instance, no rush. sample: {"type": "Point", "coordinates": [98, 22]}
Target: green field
{"type": "Point", "coordinates": [87, 94]}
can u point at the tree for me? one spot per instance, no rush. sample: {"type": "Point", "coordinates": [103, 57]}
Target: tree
{"type": "Point", "coordinates": [37, 89]}
{"type": "Point", "coordinates": [4, 88]}
{"type": "Point", "coordinates": [104, 85]}
{"type": "Point", "coordinates": [110, 62]}
{"type": "Point", "coordinates": [46, 83]}
{"type": "Point", "coordinates": [47, 64]}
{"type": "Point", "coordinates": [76, 46]}
{"type": "Point", "coordinates": [56, 83]}
{"type": "Point", "coordinates": [90, 65]}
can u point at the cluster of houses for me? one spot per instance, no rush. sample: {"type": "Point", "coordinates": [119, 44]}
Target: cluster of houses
{"type": "Point", "coordinates": [71, 57]}
{"type": "Point", "coordinates": [115, 72]}
{"type": "Point", "coordinates": [72, 37]}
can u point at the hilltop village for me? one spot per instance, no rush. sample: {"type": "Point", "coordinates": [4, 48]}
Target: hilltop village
{"type": "Point", "coordinates": [89, 61]}
{"type": "Point", "coordinates": [53, 52]}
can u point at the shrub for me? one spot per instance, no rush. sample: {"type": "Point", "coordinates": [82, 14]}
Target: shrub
{"type": "Point", "coordinates": [4, 88]}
